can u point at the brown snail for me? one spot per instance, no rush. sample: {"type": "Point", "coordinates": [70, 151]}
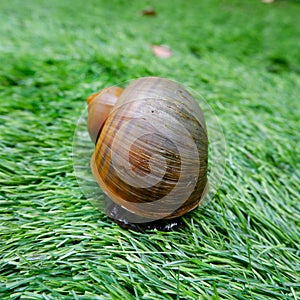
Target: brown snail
{"type": "Point", "coordinates": [151, 150]}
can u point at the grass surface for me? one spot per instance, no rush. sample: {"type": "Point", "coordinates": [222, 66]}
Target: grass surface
{"type": "Point", "coordinates": [242, 56]}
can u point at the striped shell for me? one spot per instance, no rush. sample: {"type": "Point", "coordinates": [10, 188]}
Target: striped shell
{"type": "Point", "coordinates": [151, 153]}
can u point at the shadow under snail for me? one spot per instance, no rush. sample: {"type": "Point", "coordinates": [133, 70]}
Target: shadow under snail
{"type": "Point", "coordinates": [151, 152]}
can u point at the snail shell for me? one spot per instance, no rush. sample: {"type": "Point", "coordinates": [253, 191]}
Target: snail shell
{"type": "Point", "coordinates": [151, 147]}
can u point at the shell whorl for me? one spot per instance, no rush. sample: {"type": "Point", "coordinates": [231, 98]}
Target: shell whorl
{"type": "Point", "coordinates": [151, 155]}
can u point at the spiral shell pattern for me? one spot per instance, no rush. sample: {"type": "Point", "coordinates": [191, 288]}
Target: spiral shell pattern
{"type": "Point", "coordinates": [151, 155]}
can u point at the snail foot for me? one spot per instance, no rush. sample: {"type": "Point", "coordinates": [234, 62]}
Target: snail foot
{"type": "Point", "coordinates": [121, 216]}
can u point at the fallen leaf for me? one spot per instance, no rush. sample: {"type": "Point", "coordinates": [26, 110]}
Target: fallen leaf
{"type": "Point", "coordinates": [149, 12]}
{"type": "Point", "coordinates": [162, 51]}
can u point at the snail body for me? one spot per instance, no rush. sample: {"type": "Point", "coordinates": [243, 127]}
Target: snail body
{"type": "Point", "coordinates": [151, 149]}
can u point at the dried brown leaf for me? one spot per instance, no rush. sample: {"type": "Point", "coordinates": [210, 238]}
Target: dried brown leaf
{"type": "Point", "coordinates": [162, 51]}
{"type": "Point", "coordinates": [149, 12]}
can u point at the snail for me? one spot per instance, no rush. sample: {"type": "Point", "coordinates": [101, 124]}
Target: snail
{"type": "Point", "coordinates": [151, 152]}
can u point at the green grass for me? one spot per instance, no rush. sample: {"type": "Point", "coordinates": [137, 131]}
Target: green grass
{"type": "Point", "coordinates": [242, 57]}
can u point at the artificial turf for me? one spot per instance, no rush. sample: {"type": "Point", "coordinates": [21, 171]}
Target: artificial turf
{"type": "Point", "coordinates": [242, 57]}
